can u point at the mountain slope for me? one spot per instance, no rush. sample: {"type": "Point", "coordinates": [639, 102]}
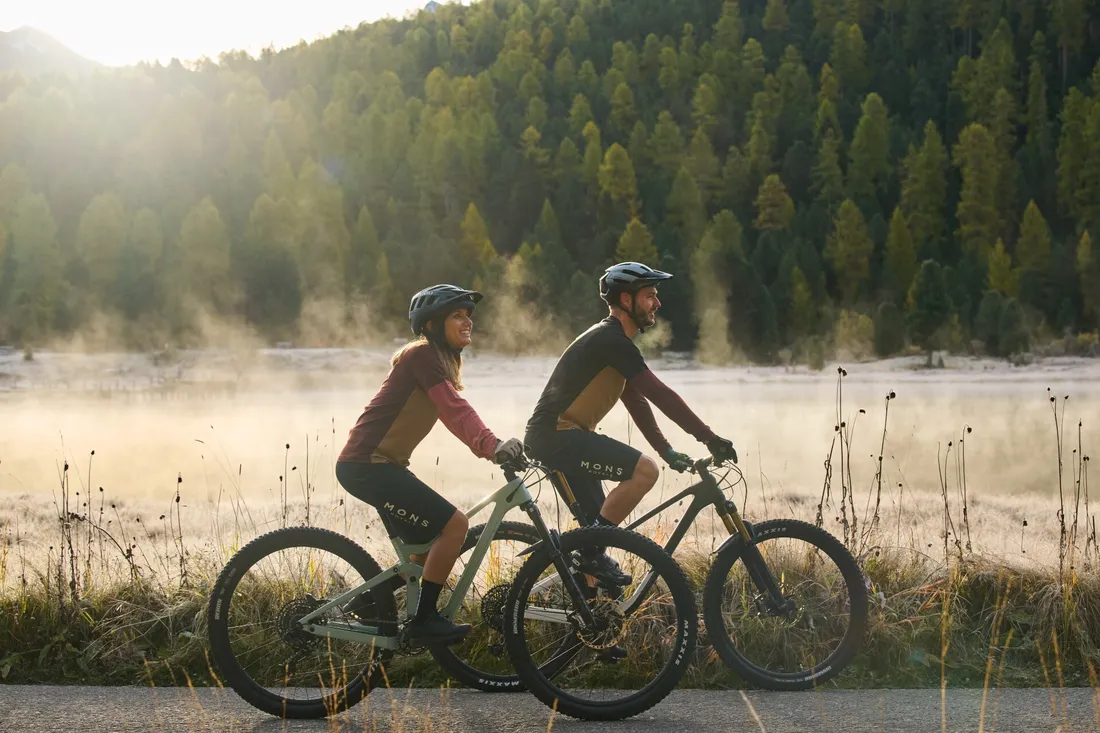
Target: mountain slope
{"type": "Point", "coordinates": [817, 174]}
{"type": "Point", "coordinates": [33, 52]}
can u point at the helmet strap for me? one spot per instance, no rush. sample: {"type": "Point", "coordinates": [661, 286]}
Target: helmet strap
{"type": "Point", "coordinates": [638, 318]}
{"type": "Point", "coordinates": [632, 312]}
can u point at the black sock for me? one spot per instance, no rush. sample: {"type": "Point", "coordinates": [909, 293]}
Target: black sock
{"type": "Point", "coordinates": [429, 596]}
{"type": "Point", "coordinates": [595, 550]}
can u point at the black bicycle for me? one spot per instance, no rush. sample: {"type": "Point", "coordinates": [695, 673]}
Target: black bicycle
{"type": "Point", "coordinates": [784, 603]}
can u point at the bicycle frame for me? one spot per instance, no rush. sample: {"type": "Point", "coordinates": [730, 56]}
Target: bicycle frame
{"type": "Point", "coordinates": [508, 497]}
{"type": "Point", "coordinates": [705, 492]}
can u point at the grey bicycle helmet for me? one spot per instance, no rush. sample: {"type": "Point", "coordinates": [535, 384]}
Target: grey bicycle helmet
{"type": "Point", "coordinates": [438, 300]}
{"type": "Point", "coordinates": [628, 277]}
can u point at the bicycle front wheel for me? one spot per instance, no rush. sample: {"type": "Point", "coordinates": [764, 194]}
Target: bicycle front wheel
{"type": "Point", "coordinates": [820, 630]}
{"type": "Point", "coordinates": [637, 649]}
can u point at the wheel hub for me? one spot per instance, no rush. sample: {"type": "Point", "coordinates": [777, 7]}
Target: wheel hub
{"type": "Point", "coordinates": [765, 606]}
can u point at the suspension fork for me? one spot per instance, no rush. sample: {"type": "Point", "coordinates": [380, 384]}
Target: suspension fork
{"type": "Point", "coordinates": [557, 557]}
{"type": "Point", "coordinates": [759, 571]}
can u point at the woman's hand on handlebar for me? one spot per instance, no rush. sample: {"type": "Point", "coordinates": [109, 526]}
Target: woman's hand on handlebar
{"type": "Point", "coordinates": [508, 451]}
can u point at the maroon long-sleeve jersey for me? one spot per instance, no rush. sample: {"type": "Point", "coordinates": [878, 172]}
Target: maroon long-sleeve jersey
{"type": "Point", "coordinates": [413, 396]}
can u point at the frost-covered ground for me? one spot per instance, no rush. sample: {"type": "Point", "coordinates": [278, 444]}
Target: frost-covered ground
{"type": "Point", "coordinates": [223, 420]}
{"type": "Point", "coordinates": [117, 372]}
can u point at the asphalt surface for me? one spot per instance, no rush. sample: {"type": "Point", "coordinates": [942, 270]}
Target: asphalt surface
{"type": "Point", "coordinates": [117, 709]}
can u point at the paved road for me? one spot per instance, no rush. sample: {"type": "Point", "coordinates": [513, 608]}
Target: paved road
{"type": "Point", "coordinates": [114, 710]}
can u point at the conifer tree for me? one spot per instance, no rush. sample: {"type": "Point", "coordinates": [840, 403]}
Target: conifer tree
{"type": "Point", "coordinates": [849, 250]}
{"type": "Point", "coordinates": [979, 220]}
{"type": "Point", "coordinates": [1001, 276]}
{"type": "Point", "coordinates": [636, 244]}
{"type": "Point", "coordinates": [686, 212]}
{"type": "Point", "coordinates": [617, 179]}
{"type": "Point", "coordinates": [476, 247]}
{"type": "Point", "coordinates": [1033, 247]}
{"type": "Point", "coordinates": [901, 256]}
{"type": "Point", "coordinates": [774, 208]}
{"type": "Point", "coordinates": [930, 307]}
{"type": "Point", "coordinates": [869, 161]}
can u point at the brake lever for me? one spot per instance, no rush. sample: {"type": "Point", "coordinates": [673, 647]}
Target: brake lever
{"type": "Point", "coordinates": [515, 466]}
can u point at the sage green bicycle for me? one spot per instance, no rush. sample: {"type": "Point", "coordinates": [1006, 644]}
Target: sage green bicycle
{"type": "Point", "coordinates": [302, 620]}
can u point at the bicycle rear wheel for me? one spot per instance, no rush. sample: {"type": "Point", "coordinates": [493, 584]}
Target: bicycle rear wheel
{"type": "Point", "coordinates": [811, 641]}
{"type": "Point", "coordinates": [652, 623]}
{"type": "Point", "coordinates": [263, 590]}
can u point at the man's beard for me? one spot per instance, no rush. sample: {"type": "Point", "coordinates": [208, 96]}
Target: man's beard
{"type": "Point", "coordinates": [640, 317]}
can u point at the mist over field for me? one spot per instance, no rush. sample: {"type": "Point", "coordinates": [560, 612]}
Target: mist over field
{"type": "Point", "coordinates": [222, 422]}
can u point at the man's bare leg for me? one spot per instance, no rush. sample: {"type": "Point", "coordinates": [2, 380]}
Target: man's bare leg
{"type": "Point", "coordinates": [620, 502]}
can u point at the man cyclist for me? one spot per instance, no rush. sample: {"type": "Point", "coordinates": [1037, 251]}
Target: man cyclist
{"type": "Point", "coordinates": [600, 367]}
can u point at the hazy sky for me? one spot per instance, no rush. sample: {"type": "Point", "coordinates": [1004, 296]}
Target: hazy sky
{"type": "Point", "coordinates": [119, 32]}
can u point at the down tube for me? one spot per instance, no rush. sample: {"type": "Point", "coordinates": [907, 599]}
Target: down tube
{"type": "Point", "coordinates": [697, 505]}
{"type": "Point", "coordinates": [504, 504]}
{"type": "Point", "coordinates": [630, 605]}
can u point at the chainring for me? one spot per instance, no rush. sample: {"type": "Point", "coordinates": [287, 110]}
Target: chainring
{"type": "Point", "coordinates": [609, 626]}
{"type": "Point", "coordinates": [492, 606]}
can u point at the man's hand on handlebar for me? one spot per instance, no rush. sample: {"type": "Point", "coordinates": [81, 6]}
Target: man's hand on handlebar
{"type": "Point", "coordinates": [722, 450]}
{"type": "Point", "coordinates": [677, 461]}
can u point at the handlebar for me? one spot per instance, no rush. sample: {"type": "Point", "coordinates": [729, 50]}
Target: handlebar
{"type": "Point", "coordinates": [515, 466]}
{"type": "Point", "coordinates": [521, 463]}
{"type": "Point", "coordinates": [701, 465]}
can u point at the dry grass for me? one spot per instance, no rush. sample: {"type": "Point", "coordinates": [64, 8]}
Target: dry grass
{"type": "Point", "coordinates": [966, 591]}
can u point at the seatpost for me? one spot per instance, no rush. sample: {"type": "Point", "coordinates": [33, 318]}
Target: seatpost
{"type": "Point", "coordinates": [551, 538]}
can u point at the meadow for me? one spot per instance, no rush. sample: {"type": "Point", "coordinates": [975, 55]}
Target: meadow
{"type": "Point", "coordinates": [125, 485]}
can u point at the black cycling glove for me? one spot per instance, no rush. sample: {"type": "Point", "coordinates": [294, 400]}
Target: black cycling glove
{"type": "Point", "coordinates": [721, 449]}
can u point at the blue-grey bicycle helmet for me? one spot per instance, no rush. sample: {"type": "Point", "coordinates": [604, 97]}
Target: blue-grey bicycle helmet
{"type": "Point", "coordinates": [438, 300]}
{"type": "Point", "coordinates": [628, 277]}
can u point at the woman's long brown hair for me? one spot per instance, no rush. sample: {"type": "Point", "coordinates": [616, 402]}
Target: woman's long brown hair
{"type": "Point", "coordinates": [452, 362]}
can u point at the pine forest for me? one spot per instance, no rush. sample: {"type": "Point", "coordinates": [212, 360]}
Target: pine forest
{"type": "Point", "coordinates": [878, 175]}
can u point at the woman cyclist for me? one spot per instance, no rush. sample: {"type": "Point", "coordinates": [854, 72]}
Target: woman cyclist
{"type": "Point", "coordinates": [422, 386]}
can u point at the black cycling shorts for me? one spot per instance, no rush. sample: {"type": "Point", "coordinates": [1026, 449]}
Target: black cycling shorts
{"type": "Point", "coordinates": [584, 460]}
{"type": "Point", "coordinates": [409, 508]}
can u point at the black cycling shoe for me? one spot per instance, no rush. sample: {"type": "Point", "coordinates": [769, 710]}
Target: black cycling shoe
{"type": "Point", "coordinates": [611, 654]}
{"type": "Point", "coordinates": [434, 629]}
{"type": "Point", "coordinates": [603, 568]}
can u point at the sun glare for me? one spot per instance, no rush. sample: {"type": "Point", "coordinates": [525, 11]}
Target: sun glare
{"type": "Point", "coordinates": [121, 32]}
